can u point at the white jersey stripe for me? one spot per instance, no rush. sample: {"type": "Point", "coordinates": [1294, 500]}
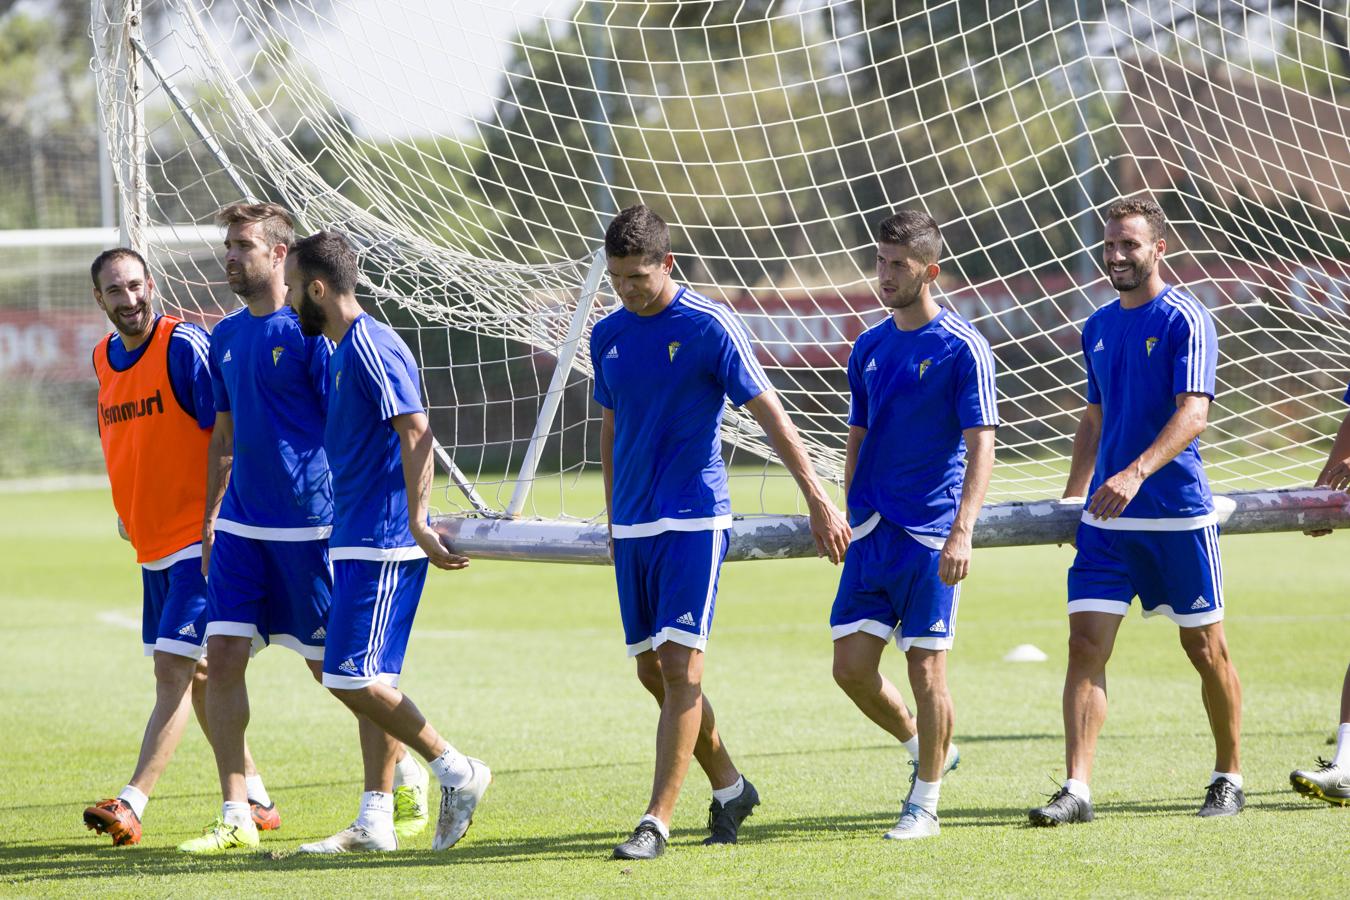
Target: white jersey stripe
{"type": "Point", "coordinates": [984, 366]}
{"type": "Point", "coordinates": [735, 329]}
{"type": "Point", "coordinates": [1197, 346]}
{"type": "Point", "coordinates": [370, 358]}
{"type": "Point", "coordinates": [196, 340]}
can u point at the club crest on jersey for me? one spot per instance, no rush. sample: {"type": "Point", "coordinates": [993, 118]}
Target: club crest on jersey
{"type": "Point", "coordinates": [1149, 344]}
{"type": "Point", "coordinates": [276, 354]}
{"type": "Point", "coordinates": [672, 348]}
{"type": "Point", "coordinates": [923, 366]}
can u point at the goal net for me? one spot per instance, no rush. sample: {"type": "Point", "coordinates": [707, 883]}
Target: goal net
{"type": "Point", "coordinates": [475, 151]}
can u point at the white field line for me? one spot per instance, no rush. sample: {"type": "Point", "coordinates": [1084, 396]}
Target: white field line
{"type": "Point", "coordinates": [120, 620]}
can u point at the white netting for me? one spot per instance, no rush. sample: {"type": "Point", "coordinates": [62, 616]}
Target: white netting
{"type": "Point", "coordinates": [476, 150]}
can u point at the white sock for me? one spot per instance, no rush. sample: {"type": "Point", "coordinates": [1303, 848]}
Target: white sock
{"type": "Point", "coordinates": [660, 826]}
{"type": "Point", "coordinates": [925, 795]}
{"type": "Point", "coordinates": [1233, 778]}
{"type": "Point", "coordinates": [727, 794]}
{"type": "Point", "coordinates": [912, 745]}
{"type": "Point", "coordinates": [408, 770]}
{"type": "Point", "coordinates": [1342, 757]}
{"type": "Point", "coordinates": [452, 768]}
{"type": "Point", "coordinates": [253, 786]}
{"type": "Point", "coordinates": [1078, 788]}
{"type": "Point", "coordinates": [135, 799]}
{"type": "Point", "coordinates": [236, 814]}
{"type": "Point", "coordinates": [377, 811]}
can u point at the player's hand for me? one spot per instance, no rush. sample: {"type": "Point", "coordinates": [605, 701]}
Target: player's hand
{"type": "Point", "coordinates": [1110, 500]}
{"type": "Point", "coordinates": [954, 561]}
{"type": "Point", "coordinates": [208, 541]}
{"type": "Point", "coordinates": [830, 531]}
{"type": "Point", "coordinates": [1336, 475]}
{"type": "Point", "coordinates": [436, 552]}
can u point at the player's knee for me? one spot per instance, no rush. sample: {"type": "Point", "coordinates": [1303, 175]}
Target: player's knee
{"type": "Point", "coordinates": [851, 675]}
{"type": "Point", "coordinates": [649, 674]}
{"type": "Point", "coordinates": [926, 674]}
{"type": "Point", "coordinates": [1086, 648]}
{"type": "Point", "coordinates": [173, 673]}
{"type": "Point", "coordinates": [1204, 652]}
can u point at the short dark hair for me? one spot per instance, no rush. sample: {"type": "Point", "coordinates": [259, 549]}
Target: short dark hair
{"type": "Point", "coordinates": [278, 225]}
{"type": "Point", "coordinates": [1140, 206]}
{"type": "Point", "coordinates": [637, 231]}
{"type": "Point", "coordinates": [330, 256]}
{"type": "Point", "coordinates": [108, 256]}
{"type": "Point", "coordinates": [915, 229]}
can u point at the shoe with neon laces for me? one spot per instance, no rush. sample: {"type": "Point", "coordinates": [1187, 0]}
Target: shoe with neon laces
{"type": "Point", "coordinates": [353, 839]}
{"type": "Point", "coordinates": [1222, 798]}
{"type": "Point", "coordinates": [219, 837]}
{"type": "Point", "coordinates": [457, 806]}
{"type": "Point", "coordinates": [1330, 782]}
{"type": "Point", "coordinates": [1064, 808]}
{"type": "Point", "coordinates": [645, 843]}
{"type": "Point", "coordinates": [265, 818]}
{"type": "Point", "coordinates": [915, 822]}
{"type": "Point", "coordinates": [411, 810]}
{"type": "Point", "coordinates": [724, 819]}
{"type": "Point", "coordinates": [115, 818]}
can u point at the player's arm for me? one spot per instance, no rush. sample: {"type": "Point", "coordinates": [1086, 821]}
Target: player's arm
{"type": "Point", "coordinates": [219, 462]}
{"type": "Point", "coordinates": [1336, 473]}
{"type": "Point", "coordinates": [852, 445]}
{"type": "Point", "coordinates": [954, 561]}
{"type": "Point", "coordinates": [828, 526]}
{"type": "Point", "coordinates": [415, 446]}
{"type": "Point", "coordinates": [1085, 441]}
{"type": "Point", "coordinates": [1184, 426]}
{"type": "Point", "coordinates": [607, 468]}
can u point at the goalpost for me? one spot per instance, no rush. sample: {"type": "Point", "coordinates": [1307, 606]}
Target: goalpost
{"type": "Point", "coordinates": [474, 154]}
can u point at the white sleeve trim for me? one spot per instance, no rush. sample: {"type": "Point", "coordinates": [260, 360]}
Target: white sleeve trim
{"type": "Point", "coordinates": [736, 330]}
{"type": "Point", "coordinates": [377, 554]}
{"type": "Point", "coordinates": [1197, 346]}
{"type": "Point", "coordinates": [984, 365]}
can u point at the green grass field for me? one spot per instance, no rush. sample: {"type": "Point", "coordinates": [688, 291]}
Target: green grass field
{"type": "Point", "coordinates": [524, 666]}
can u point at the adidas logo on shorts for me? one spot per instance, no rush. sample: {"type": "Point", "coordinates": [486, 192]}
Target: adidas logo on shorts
{"type": "Point", "coordinates": [319, 634]}
{"type": "Point", "coordinates": [348, 666]}
{"type": "Point", "coordinates": [188, 631]}
{"type": "Point", "coordinates": [1200, 603]}
{"type": "Point", "coordinates": [686, 619]}
{"type": "Point", "coordinates": [939, 626]}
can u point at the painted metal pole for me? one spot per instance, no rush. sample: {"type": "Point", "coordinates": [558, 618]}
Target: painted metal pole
{"type": "Point", "coordinates": [567, 353]}
{"type": "Point", "coordinates": [784, 537]}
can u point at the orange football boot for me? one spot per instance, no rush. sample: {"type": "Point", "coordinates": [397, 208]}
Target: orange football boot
{"type": "Point", "coordinates": [114, 817]}
{"type": "Point", "coordinates": [265, 817]}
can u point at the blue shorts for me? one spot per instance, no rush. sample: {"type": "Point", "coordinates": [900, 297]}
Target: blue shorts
{"type": "Point", "coordinates": [374, 603]}
{"type": "Point", "coordinates": [173, 612]}
{"type": "Point", "coordinates": [1176, 573]}
{"type": "Point", "coordinates": [668, 587]}
{"type": "Point", "coordinates": [890, 588]}
{"type": "Point", "coordinates": [273, 592]}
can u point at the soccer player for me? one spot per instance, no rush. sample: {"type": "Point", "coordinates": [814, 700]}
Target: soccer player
{"type": "Point", "coordinates": [1148, 527]}
{"type": "Point", "coordinates": [665, 364]}
{"type": "Point", "coordinates": [922, 384]}
{"type": "Point", "coordinates": [1330, 781]}
{"type": "Point", "coordinates": [379, 447]}
{"type": "Point", "coordinates": [155, 416]}
{"type": "Point", "coordinates": [268, 502]}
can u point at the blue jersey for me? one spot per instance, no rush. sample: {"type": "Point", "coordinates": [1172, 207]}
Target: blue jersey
{"type": "Point", "coordinates": [1138, 360]}
{"type": "Point", "coordinates": [272, 380]}
{"type": "Point", "coordinates": [189, 372]}
{"type": "Point", "coordinates": [915, 392]}
{"type": "Point", "coordinates": [373, 378]}
{"type": "Point", "coordinates": [667, 378]}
